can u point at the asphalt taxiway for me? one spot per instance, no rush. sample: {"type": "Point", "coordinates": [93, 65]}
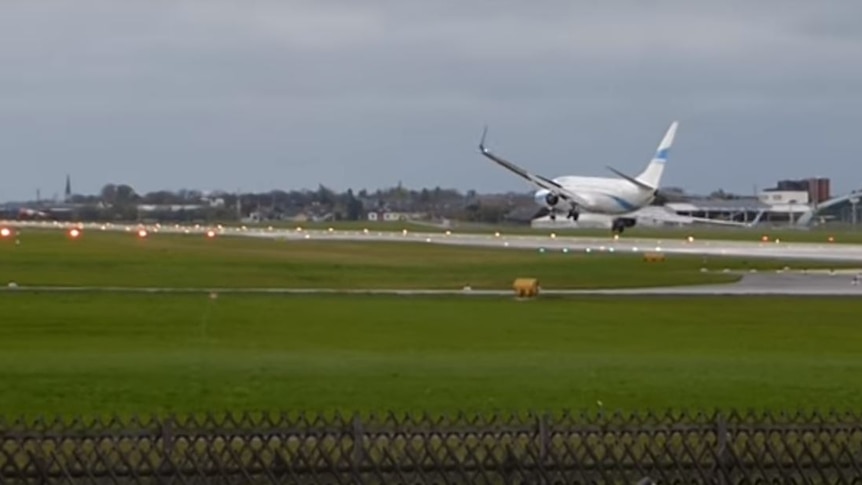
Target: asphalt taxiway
{"type": "Point", "coordinates": [837, 283]}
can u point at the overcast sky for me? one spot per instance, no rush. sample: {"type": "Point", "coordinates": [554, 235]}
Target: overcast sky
{"type": "Point", "coordinates": [257, 95]}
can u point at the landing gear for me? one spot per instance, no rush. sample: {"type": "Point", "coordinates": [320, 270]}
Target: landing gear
{"type": "Point", "coordinates": [573, 214]}
{"type": "Point", "coordinates": [619, 225]}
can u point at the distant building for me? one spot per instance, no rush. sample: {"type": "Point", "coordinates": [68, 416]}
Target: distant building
{"type": "Point", "coordinates": [169, 207]}
{"type": "Point", "coordinates": [741, 209]}
{"type": "Point", "coordinates": [386, 216]}
{"type": "Point", "coordinates": [841, 209]}
{"type": "Point", "coordinates": [392, 216]}
{"type": "Point", "coordinates": [817, 188]}
{"type": "Point", "coordinates": [775, 197]}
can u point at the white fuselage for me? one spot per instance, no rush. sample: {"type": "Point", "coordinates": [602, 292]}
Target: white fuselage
{"type": "Point", "coordinates": [604, 195]}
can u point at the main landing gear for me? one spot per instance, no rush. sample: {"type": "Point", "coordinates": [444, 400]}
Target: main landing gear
{"type": "Point", "coordinates": [620, 224]}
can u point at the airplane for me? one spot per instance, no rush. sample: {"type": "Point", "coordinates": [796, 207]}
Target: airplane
{"type": "Point", "coordinates": [619, 197]}
{"type": "Point", "coordinates": [651, 216]}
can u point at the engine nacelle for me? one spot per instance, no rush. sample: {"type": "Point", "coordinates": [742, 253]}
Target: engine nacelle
{"type": "Point", "coordinates": [547, 198]}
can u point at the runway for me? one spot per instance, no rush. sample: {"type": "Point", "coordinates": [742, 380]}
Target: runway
{"type": "Point", "coordinates": [755, 284]}
{"type": "Point", "coordinates": [805, 251]}
{"type": "Point", "coordinates": [808, 251]}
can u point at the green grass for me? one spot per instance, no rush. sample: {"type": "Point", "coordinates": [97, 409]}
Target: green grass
{"type": "Point", "coordinates": [50, 258]}
{"type": "Point", "coordinates": [68, 354]}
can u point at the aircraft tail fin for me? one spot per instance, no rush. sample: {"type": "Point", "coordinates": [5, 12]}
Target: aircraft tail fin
{"type": "Point", "coordinates": [651, 176]}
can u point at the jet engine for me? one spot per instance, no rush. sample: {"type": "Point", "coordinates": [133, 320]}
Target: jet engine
{"type": "Point", "coordinates": [547, 198]}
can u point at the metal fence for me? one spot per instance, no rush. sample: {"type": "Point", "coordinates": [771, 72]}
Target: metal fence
{"type": "Point", "coordinates": [565, 448]}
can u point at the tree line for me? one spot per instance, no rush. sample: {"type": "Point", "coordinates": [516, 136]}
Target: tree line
{"type": "Point", "coordinates": [123, 202]}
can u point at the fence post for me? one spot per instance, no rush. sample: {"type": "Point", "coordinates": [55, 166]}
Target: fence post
{"type": "Point", "coordinates": [543, 437]}
{"type": "Point", "coordinates": [357, 446]}
{"type": "Point", "coordinates": [167, 436]}
{"type": "Point", "coordinates": [721, 442]}
{"type": "Point", "coordinates": [544, 447]}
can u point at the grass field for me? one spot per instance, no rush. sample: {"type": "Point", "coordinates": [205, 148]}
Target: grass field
{"type": "Point", "coordinates": [119, 259]}
{"type": "Point", "coordinates": [68, 354]}
{"type": "Point", "coordinates": [100, 353]}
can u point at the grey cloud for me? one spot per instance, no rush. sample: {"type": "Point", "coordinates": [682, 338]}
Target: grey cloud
{"type": "Point", "coordinates": [288, 94]}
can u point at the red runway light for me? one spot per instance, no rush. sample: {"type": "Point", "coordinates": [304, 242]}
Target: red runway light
{"type": "Point", "coordinates": [74, 233]}
{"type": "Point", "coordinates": [142, 233]}
{"type": "Point", "coordinates": [211, 234]}
{"type": "Point", "coordinates": [5, 232]}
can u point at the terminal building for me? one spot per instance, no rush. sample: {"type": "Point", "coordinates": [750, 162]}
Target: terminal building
{"type": "Point", "coordinates": [841, 210]}
{"type": "Point", "coordinates": [786, 203]}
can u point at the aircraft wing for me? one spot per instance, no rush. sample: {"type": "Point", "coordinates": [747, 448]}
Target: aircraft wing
{"type": "Point", "coordinates": [660, 213]}
{"type": "Point", "coordinates": [537, 180]}
{"type": "Point", "coordinates": [701, 220]}
{"type": "Point", "coordinates": [720, 222]}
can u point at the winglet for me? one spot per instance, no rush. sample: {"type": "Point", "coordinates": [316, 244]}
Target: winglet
{"type": "Point", "coordinates": [482, 141]}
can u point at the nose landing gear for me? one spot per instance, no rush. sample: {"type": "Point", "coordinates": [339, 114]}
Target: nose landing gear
{"type": "Point", "coordinates": [573, 214]}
